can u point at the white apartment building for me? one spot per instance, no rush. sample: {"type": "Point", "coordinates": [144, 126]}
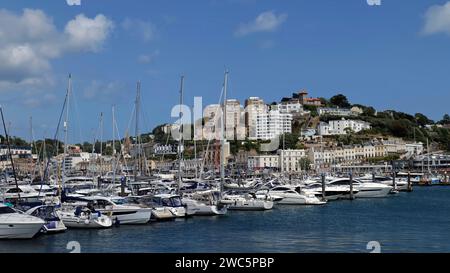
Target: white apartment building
{"type": "Point", "coordinates": [394, 145]}
{"type": "Point", "coordinates": [291, 106]}
{"type": "Point", "coordinates": [254, 107]}
{"type": "Point", "coordinates": [234, 120]}
{"type": "Point", "coordinates": [414, 148]}
{"type": "Point", "coordinates": [272, 124]}
{"type": "Point", "coordinates": [263, 162]}
{"type": "Point", "coordinates": [73, 161]}
{"type": "Point", "coordinates": [15, 151]}
{"type": "Point", "coordinates": [212, 116]}
{"type": "Point", "coordinates": [338, 127]}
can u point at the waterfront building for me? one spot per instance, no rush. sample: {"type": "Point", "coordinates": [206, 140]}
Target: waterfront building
{"type": "Point", "coordinates": [259, 162]}
{"type": "Point", "coordinates": [241, 158]}
{"type": "Point", "coordinates": [16, 152]}
{"type": "Point", "coordinates": [212, 155]}
{"type": "Point", "coordinates": [415, 148]}
{"type": "Point", "coordinates": [159, 149]}
{"type": "Point", "coordinates": [399, 146]}
{"type": "Point", "coordinates": [327, 157]}
{"type": "Point", "coordinates": [73, 161]}
{"type": "Point", "coordinates": [290, 160]}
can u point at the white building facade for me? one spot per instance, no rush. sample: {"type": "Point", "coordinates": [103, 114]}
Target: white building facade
{"type": "Point", "coordinates": [340, 127]}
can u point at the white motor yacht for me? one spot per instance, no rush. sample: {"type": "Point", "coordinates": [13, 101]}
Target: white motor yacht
{"type": "Point", "coordinates": [121, 213]}
{"type": "Point", "coordinates": [77, 215]}
{"type": "Point", "coordinates": [295, 196]}
{"type": "Point", "coordinates": [173, 203]}
{"type": "Point", "coordinates": [247, 203]}
{"type": "Point", "coordinates": [17, 225]}
{"type": "Point", "coordinates": [204, 203]}
{"type": "Point", "coordinates": [331, 192]}
{"type": "Point", "coordinates": [365, 190]}
{"type": "Point", "coordinates": [401, 185]}
{"type": "Point", "coordinates": [159, 213]}
{"type": "Point", "coordinates": [23, 192]}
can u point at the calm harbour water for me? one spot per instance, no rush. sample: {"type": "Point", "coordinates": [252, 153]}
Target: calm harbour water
{"type": "Point", "coordinates": [407, 222]}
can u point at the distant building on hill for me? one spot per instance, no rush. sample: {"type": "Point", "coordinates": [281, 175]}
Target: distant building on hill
{"type": "Point", "coordinates": [304, 100]}
{"type": "Point", "coordinates": [340, 127]}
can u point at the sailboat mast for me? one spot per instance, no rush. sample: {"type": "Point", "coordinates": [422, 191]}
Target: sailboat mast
{"type": "Point", "coordinates": [428, 157]}
{"type": "Point", "coordinates": [9, 152]}
{"type": "Point", "coordinates": [180, 140]}
{"type": "Point", "coordinates": [66, 125]}
{"type": "Point", "coordinates": [138, 150]}
{"type": "Point", "coordinates": [222, 136]}
{"type": "Point", "coordinates": [101, 143]}
{"type": "Point", "coordinates": [113, 144]}
{"type": "Point", "coordinates": [31, 146]}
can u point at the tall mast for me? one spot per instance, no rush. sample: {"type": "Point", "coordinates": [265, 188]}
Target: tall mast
{"type": "Point", "coordinates": [113, 143]}
{"type": "Point", "coordinates": [222, 136]}
{"type": "Point", "coordinates": [138, 150]}
{"type": "Point", "coordinates": [195, 156]}
{"type": "Point", "coordinates": [66, 126]}
{"type": "Point", "coordinates": [9, 152]}
{"type": "Point", "coordinates": [31, 145]}
{"type": "Point", "coordinates": [428, 157]}
{"type": "Point", "coordinates": [180, 140]}
{"type": "Point", "coordinates": [101, 142]}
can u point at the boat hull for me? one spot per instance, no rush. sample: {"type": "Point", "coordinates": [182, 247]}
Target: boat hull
{"type": "Point", "coordinates": [19, 230]}
{"type": "Point", "coordinates": [373, 193]}
{"type": "Point", "coordinates": [129, 217]}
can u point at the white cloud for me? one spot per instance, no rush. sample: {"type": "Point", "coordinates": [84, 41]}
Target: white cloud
{"type": "Point", "coordinates": [34, 102]}
{"type": "Point", "coordinates": [148, 58]}
{"type": "Point", "coordinates": [265, 22]}
{"type": "Point", "coordinates": [29, 41]}
{"type": "Point", "coordinates": [142, 29]}
{"type": "Point", "coordinates": [73, 2]}
{"type": "Point", "coordinates": [88, 34]}
{"type": "Point", "coordinates": [437, 19]}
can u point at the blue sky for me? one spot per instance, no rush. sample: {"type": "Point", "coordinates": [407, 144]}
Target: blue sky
{"type": "Point", "coordinates": [393, 56]}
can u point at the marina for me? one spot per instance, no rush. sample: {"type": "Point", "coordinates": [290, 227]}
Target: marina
{"type": "Point", "coordinates": [240, 128]}
{"type": "Point", "coordinates": [56, 200]}
{"type": "Point", "coordinates": [406, 223]}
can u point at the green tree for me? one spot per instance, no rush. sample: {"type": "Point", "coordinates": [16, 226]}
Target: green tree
{"type": "Point", "coordinates": [422, 120]}
{"type": "Point", "coordinates": [369, 111]}
{"type": "Point", "coordinates": [445, 119]}
{"type": "Point", "coordinates": [290, 141]}
{"type": "Point", "coordinates": [305, 164]}
{"type": "Point", "coordinates": [340, 101]}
